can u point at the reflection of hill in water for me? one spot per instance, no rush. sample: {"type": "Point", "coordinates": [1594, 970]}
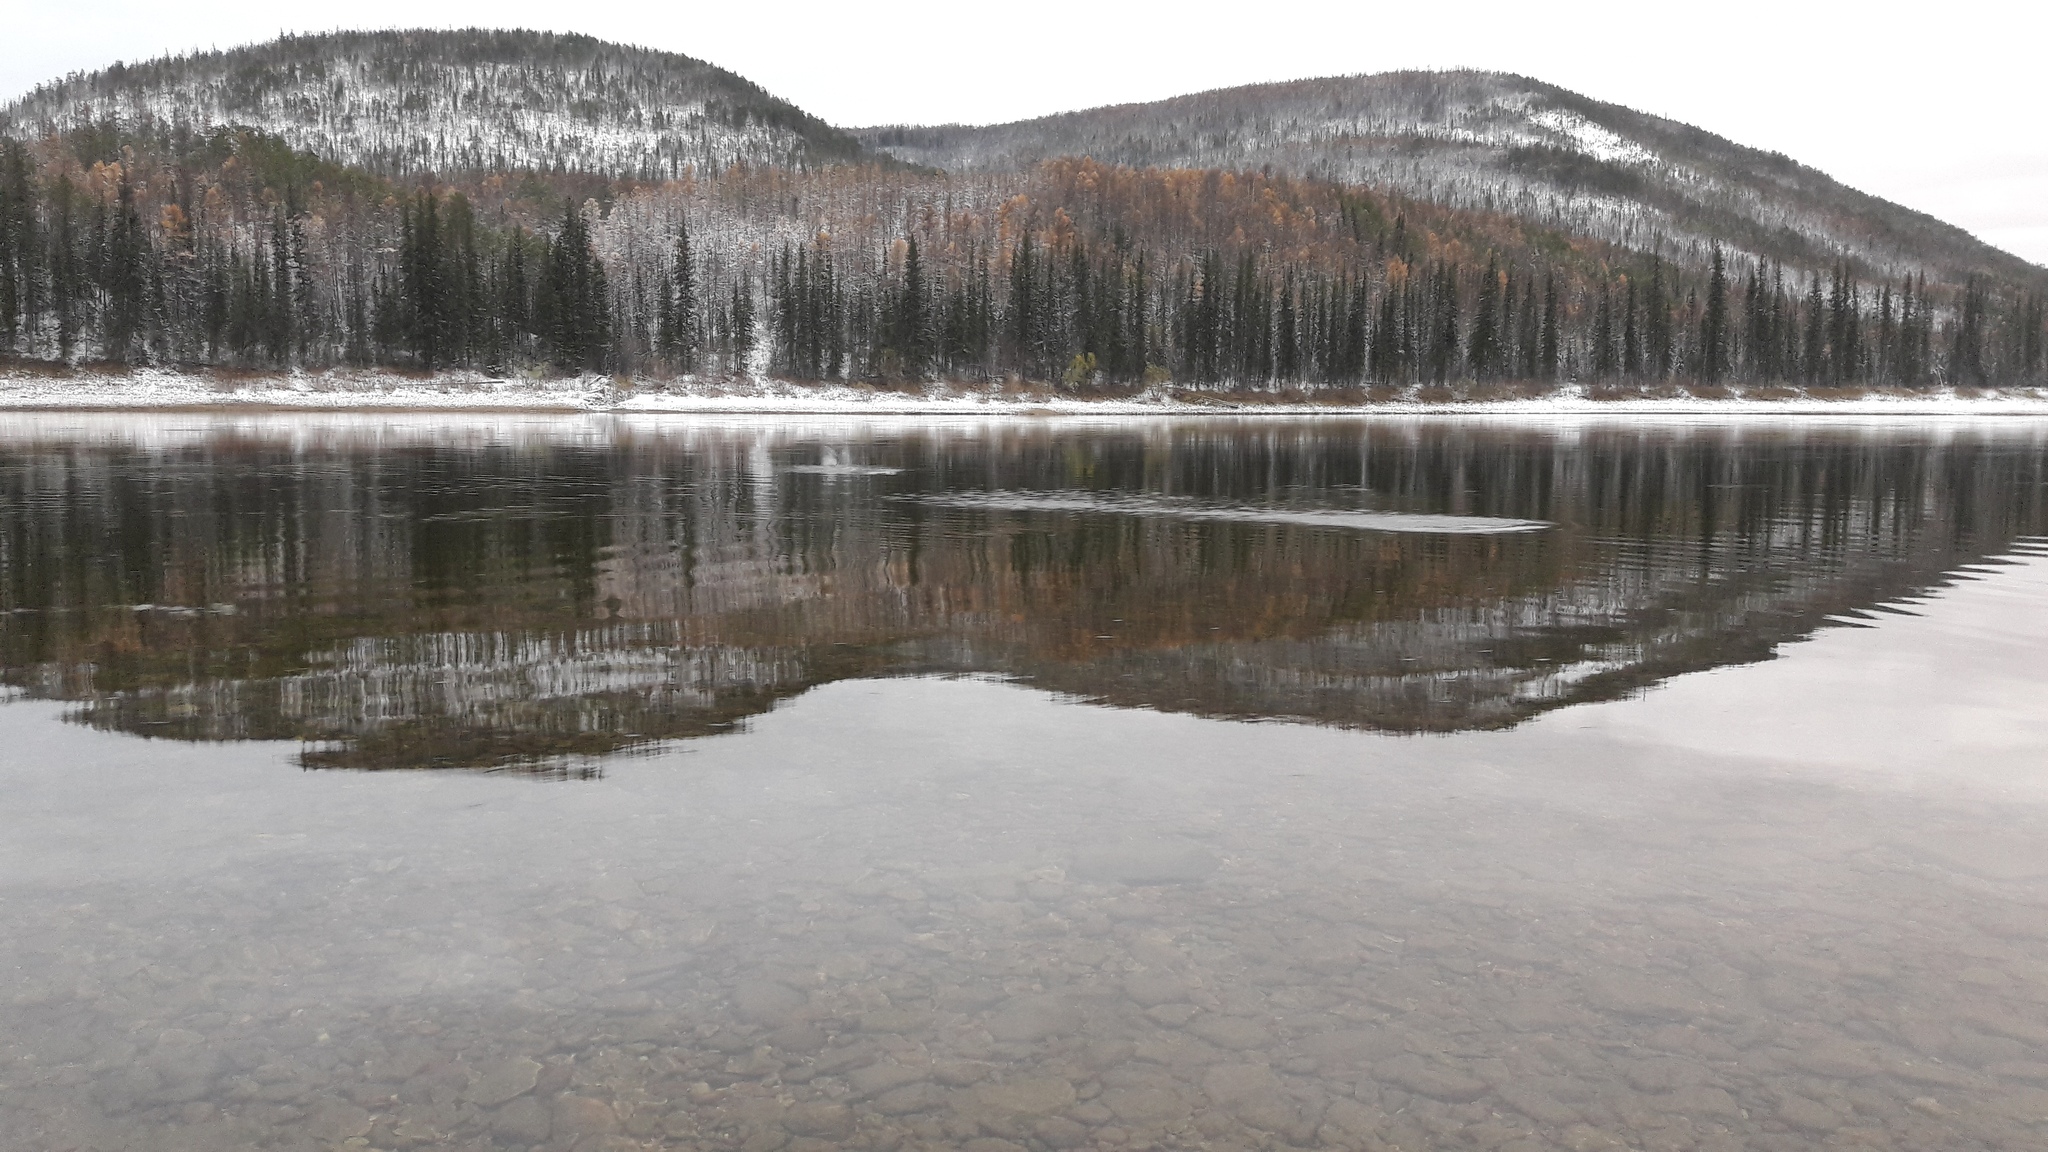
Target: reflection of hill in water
{"type": "Point", "coordinates": [423, 603]}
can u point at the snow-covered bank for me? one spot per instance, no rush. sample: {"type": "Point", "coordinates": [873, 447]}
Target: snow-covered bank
{"type": "Point", "coordinates": [161, 390]}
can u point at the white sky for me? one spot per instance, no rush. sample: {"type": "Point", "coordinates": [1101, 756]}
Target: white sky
{"type": "Point", "coordinates": [1939, 107]}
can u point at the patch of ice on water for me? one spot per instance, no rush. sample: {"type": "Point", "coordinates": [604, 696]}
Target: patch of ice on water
{"type": "Point", "coordinates": [843, 470]}
{"type": "Point", "coordinates": [1183, 509]}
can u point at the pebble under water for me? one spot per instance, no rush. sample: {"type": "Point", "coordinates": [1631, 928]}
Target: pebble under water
{"type": "Point", "coordinates": [782, 786]}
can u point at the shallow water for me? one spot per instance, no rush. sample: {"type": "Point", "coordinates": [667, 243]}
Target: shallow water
{"type": "Point", "coordinates": [583, 784]}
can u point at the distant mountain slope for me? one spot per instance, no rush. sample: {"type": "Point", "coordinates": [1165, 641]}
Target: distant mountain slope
{"type": "Point", "coordinates": [1495, 142]}
{"type": "Point", "coordinates": [337, 200]}
{"type": "Point", "coordinates": [406, 102]}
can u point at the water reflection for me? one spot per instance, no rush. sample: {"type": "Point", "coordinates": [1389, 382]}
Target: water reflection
{"type": "Point", "coordinates": [1781, 907]}
{"type": "Point", "coordinates": [542, 595]}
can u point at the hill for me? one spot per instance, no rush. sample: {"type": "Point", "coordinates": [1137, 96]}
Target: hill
{"type": "Point", "coordinates": [1499, 143]}
{"type": "Point", "coordinates": [521, 201]}
{"type": "Point", "coordinates": [406, 103]}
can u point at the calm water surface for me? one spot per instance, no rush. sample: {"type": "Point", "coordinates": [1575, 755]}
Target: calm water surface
{"type": "Point", "coordinates": [558, 783]}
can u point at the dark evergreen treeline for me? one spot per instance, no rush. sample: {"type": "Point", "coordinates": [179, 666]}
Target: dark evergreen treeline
{"type": "Point", "coordinates": [1093, 313]}
{"type": "Point", "coordinates": [94, 267]}
{"type": "Point", "coordinates": [462, 295]}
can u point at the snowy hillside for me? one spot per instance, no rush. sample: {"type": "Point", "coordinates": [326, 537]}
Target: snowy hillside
{"type": "Point", "coordinates": [1492, 142]}
{"type": "Point", "coordinates": [403, 103]}
{"type": "Point", "coordinates": [340, 201]}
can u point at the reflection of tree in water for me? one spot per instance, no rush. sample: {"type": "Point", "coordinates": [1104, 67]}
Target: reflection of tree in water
{"type": "Point", "coordinates": [430, 604]}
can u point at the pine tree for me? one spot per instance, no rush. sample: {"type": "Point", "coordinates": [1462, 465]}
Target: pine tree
{"type": "Point", "coordinates": [19, 265]}
{"type": "Point", "coordinates": [1022, 317]}
{"type": "Point", "coordinates": [465, 296]}
{"type": "Point", "coordinates": [306, 319]}
{"type": "Point", "coordinates": [1548, 367]}
{"type": "Point", "coordinates": [1768, 360]}
{"type": "Point", "coordinates": [422, 282]}
{"type": "Point", "coordinates": [683, 340]}
{"type": "Point", "coordinates": [1508, 357]}
{"type": "Point", "coordinates": [1815, 362]}
{"type": "Point", "coordinates": [1444, 351]}
{"type": "Point", "coordinates": [1887, 337]}
{"type": "Point", "coordinates": [742, 313]}
{"type": "Point", "coordinates": [125, 278]}
{"type": "Point", "coordinates": [1966, 359]}
{"type": "Point", "coordinates": [356, 325]}
{"type": "Point", "coordinates": [1714, 325]}
{"type": "Point", "coordinates": [1382, 350]}
{"type": "Point", "coordinates": [1356, 339]}
{"type": "Point", "coordinates": [255, 299]}
{"type": "Point", "coordinates": [579, 297]}
{"type": "Point", "coordinates": [1287, 336]}
{"type": "Point", "coordinates": [1604, 364]}
{"type": "Point", "coordinates": [1656, 324]}
{"type": "Point", "coordinates": [1484, 352]}
{"type": "Point", "coordinates": [2033, 333]}
{"type": "Point", "coordinates": [913, 310]}
{"type": "Point", "coordinates": [1530, 340]}
{"type": "Point", "coordinates": [1837, 358]}
{"type": "Point", "coordinates": [277, 308]}
{"type": "Point", "coordinates": [67, 271]}
{"type": "Point", "coordinates": [1631, 337]}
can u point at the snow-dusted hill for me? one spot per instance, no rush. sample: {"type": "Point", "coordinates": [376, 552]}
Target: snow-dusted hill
{"type": "Point", "coordinates": [409, 102]}
{"type": "Point", "coordinates": [1496, 142]}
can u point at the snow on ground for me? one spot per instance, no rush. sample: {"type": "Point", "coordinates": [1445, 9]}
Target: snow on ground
{"type": "Point", "coordinates": [1592, 139]}
{"type": "Point", "coordinates": [164, 390]}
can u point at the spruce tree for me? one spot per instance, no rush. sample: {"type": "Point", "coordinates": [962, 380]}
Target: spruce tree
{"type": "Point", "coordinates": [19, 263]}
{"type": "Point", "coordinates": [734, 321]}
{"type": "Point", "coordinates": [1631, 336]}
{"type": "Point", "coordinates": [686, 338]}
{"type": "Point", "coordinates": [1604, 365]}
{"type": "Point", "coordinates": [124, 278]}
{"type": "Point", "coordinates": [1884, 355]}
{"type": "Point", "coordinates": [1287, 336]}
{"type": "Point", "coordinates": [579, 298]}
{"type": "Point", "coordinates": [423, 283]}
{"type": "Point", "coordinates": [1966, 357]}
{"type": "Point", "coordinates": [1656, 324]}
{"type": "Point", "coordinates": [1529, 341]}
{"type": "Point", "coordinates": [1714, 325]}
{"type": "Point", "coordinates": [913, 312]}
{"type": "Point", "coordinates": [1444, 356]}
{"type": "Point", "coordinates": [1382, 347]}
{"type": "Point", "coordinates": [1548, 368]}
{"type": "Point", "coordinates": [1837, 366]}
{"type": "Point", "coordinates": [1483, 353]}
{"type": "Point", "coordinates": [278, 310]}
{"type": "Point", "coordinates": [1814, 359]}
{"type": "Point", "coordinates": [67, 271]}
{"type": "Point", "coordinates": [1022, 317]}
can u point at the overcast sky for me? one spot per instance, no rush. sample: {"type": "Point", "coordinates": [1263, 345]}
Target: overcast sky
{"type": "Point", "coordinates": [1939, 107]}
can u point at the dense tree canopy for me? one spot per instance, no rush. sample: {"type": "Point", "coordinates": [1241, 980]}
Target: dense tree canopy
{"type": "Point", "coordinates": [229, 250]}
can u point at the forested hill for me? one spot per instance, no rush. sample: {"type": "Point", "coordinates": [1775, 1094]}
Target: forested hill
{"type": "Point", "coordinates": [518, 201]}
{"type": "Point", "coordinates": [1496, 142]}
{"type": "Point", "coordinates": [406, 103]}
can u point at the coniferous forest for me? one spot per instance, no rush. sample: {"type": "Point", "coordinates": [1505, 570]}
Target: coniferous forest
{"type": "Point", "coordinates": [230, 250]}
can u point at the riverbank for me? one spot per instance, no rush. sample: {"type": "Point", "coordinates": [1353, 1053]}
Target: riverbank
{"type": "Point", "coordinates": [149, 389]}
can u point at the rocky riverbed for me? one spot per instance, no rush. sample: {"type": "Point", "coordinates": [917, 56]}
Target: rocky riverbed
{"type": "Point", "coordinates": [846, 929]}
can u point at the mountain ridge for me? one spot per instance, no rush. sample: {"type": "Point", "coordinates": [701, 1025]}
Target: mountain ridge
{"type": "Point", "coordinates": [343, 200]}
{"type": "Point", "coordinates": [425, 103]}
{"type": "Point", "coordinates": [1490, 141]}
{"type": "Point", "coordinates": [490, 99]}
